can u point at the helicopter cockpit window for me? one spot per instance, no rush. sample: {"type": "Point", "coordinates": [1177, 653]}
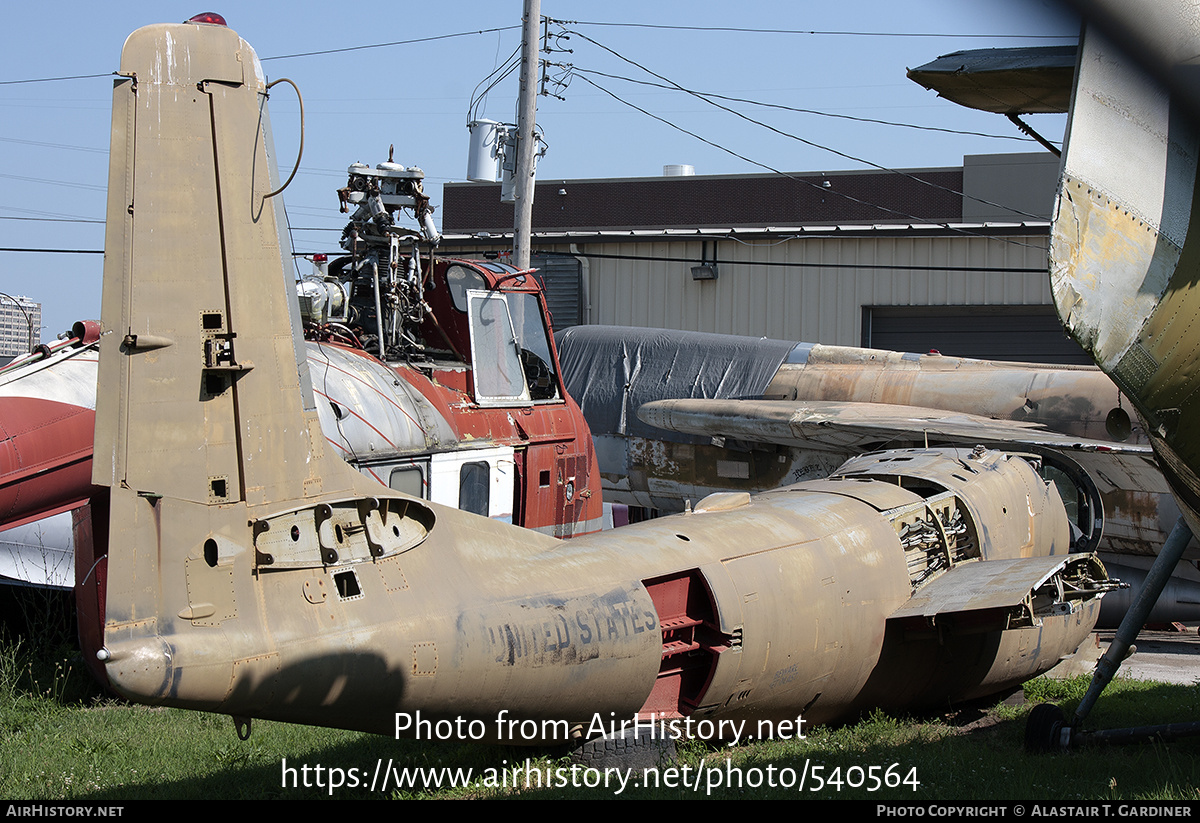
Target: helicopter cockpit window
{"type": "Point", "coordinates": [510, 349]}
{"type": "Point", "coordinates": [460, 279]}
{"type": "Point", "coordinates": [534, 346]}
{"type": "Point", "coordinates": [495, 352]}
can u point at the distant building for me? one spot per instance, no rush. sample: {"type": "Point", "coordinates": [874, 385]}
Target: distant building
{"type": "Point", "coordinates": [952, 259]}
{"type": "Point", "coordinates": [20, 325]}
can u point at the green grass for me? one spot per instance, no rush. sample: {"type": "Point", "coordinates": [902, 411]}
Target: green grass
{"type": "Point", "coordinates": [61, 739]}
{"type": "Point", "coordinates": [103, 750]}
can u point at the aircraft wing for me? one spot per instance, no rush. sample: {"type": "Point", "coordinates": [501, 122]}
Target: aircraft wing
{"type": "Point", "coordinates": [842, 425]}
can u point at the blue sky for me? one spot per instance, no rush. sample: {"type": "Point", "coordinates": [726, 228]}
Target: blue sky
{"type": "Point", "coordinates": [54, 135]}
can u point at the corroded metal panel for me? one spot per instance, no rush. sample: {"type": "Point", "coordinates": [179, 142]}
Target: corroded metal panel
{"type": "Point", "coordinates": [1122, 258]}
{"type": "Point", "coordinates": [1119, 227]}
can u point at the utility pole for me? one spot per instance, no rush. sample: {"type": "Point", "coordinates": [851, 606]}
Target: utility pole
{"type": "Point", "coordinates": [526, 143]}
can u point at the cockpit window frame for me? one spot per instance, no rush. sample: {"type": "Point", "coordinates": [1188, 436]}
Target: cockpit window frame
{"type": "Point", "coordinates": [504, 359]}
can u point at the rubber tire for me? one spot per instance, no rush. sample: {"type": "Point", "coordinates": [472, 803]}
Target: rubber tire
{"type": "Point", "coordinates": [629, 751]}
{"type": "Point", "coordinates": [1044, 728]}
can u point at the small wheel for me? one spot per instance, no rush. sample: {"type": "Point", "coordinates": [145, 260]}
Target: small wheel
{"type": "Point", "coordinates": [633, 749]}
{"type": "Point", "coordinates": [1043, 728]}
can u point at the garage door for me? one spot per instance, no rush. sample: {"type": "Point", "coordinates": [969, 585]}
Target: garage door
{"type": "Point", "coordinates": [1026, 333]}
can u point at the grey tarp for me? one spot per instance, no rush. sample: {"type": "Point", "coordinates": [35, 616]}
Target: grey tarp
{"type": "Point", "coordinates": [612, 370]}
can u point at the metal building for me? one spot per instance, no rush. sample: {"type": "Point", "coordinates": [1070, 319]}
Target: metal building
{"type": "Point", "coordinates": [952, 259]}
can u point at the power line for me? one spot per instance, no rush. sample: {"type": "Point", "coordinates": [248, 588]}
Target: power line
{"type": "Point", "coordinates": [782, 133]}
{"type": "Point", "coordinates": [665, 259]}
{"type": "Point", "coordinates": [801, 180]}
{"type": "Point", "coordinates": [54, 251]}
{"type": "Point", "coordinates": [497, 75]}
{"type": "Point", "coordinates": [388, 45]}
{"type": "Point", "coordinates": [44, 144]}
{"type": "Point", "coordinates": [799, 110]}
{"type": "Point", "coordinates": [438, 37]}
{"type": "Point", "coordinates": [52, 219]}
{"type": "Point", "coordinates": [593, 23]}
{"type": "Point", "coordinates": [704, 97]}
{"type": "Point", "coordinates": [55, 79]}
{"type": "Point", "coordinates": [287, 56]}
{"type": "Point", "coordinates": [68, 184]}
{"type": "Point", "coordinates": [821, 33]}
{"type": "Point", "coordinates": [100, 222]}
{"type": "Point", "coordinates": [58, 214]}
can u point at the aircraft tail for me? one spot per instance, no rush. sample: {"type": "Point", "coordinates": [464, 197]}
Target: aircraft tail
{"type": "Point", "coordinates": [194, 228]}
{"type": "Point", "coordinates": [205, 422]}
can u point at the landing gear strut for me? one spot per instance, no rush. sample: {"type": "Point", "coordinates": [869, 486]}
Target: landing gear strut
{"type": "Point", "coordinates": [1047, 729]}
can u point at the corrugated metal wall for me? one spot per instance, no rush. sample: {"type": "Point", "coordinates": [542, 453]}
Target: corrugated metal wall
{"type": "Point", "coordinates": [821, 301]}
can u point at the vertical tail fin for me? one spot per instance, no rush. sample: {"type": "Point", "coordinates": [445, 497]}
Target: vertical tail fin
{"type": "Point", "coordinates": [194, 305]}
{"type": "Point", "coordinates": [205, 425]}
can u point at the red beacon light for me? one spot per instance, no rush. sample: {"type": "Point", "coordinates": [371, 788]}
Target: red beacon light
{"type": "Point", "coordinates": [210, 17]}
